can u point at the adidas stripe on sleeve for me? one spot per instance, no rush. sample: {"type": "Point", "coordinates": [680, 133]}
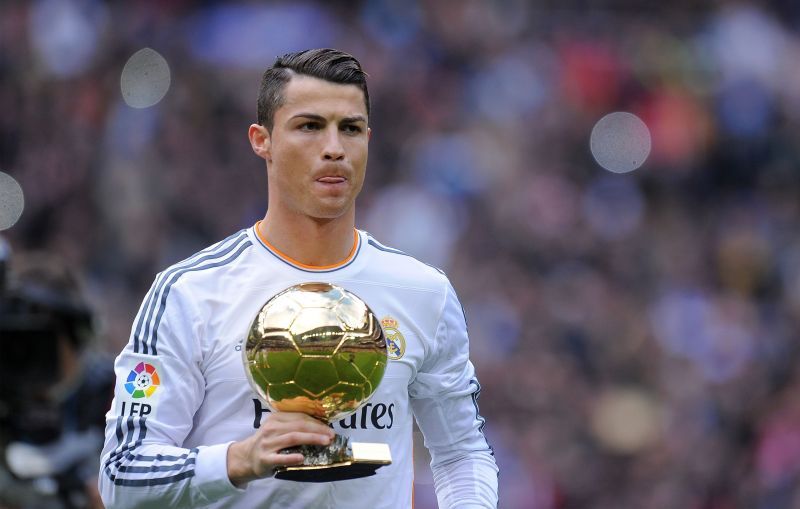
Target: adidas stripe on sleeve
{"type": "Point", "coordinates": [159, 387]}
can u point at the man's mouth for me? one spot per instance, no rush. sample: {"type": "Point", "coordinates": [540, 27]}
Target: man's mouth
{"type": "Point", "coordinates": [331, 180]}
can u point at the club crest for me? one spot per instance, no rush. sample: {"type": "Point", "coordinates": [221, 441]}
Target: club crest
{"type": "Point", "coordinates": [394, 338]}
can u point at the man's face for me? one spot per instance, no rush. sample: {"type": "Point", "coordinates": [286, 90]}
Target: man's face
{"type": "Point", "coordinates": [317, 151]}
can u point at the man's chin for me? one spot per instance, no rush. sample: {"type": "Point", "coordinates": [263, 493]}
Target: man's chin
{"type": "Point", "coordinates": [331, 211]}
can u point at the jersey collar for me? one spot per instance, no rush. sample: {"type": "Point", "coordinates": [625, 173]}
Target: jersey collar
{"type": "Point", "coordinates": [288, 260]}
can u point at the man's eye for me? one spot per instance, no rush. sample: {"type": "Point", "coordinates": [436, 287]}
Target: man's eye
{"type": "Point", "coordinates": [309, 126]}
{"type": "Point", "coordinates": [352, 129]}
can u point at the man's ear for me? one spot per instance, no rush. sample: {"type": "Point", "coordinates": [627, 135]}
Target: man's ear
{"type": "Point", "coordinates": [369, 133]}
{"type": "Point", "coordinates": [261, 141]}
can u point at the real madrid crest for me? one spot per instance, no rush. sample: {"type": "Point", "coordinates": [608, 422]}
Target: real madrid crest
{"type": "Point", "coordinates": [395, 341]}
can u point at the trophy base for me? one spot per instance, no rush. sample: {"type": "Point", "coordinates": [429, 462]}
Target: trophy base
{"type": "Point", "coordinates": [339, 461]}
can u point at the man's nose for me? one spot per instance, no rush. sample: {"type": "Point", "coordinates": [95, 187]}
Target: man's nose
{"type": "Point", "coordinates": [333, 150]}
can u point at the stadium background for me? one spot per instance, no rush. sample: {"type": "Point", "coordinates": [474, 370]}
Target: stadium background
{"type": "Point", "coordinates": [636, 334]}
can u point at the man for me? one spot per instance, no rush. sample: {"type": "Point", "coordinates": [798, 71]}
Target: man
{"type": "Point", "coordinates": [186, 429]}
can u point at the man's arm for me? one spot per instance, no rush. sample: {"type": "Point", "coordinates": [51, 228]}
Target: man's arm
{"type": "Point", "coordinates": [444, 399]}
{"type": "Point", "coordinates": [159, 388]}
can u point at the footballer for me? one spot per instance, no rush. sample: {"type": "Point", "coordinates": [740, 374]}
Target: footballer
{"type": "Point", "coordinates": [187, 430]}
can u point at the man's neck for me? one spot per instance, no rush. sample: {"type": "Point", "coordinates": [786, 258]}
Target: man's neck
{"type": "Point", "coordinates": [307, 240]}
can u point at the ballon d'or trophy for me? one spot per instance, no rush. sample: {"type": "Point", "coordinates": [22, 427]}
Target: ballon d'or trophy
{"type": "Point", "coordinates": [317, 348]}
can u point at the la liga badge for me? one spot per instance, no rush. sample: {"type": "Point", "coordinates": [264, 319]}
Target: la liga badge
{"type": "Point", "coordinates": [143, 380]}
{"type": "Point", "coordinates": [142, 387]}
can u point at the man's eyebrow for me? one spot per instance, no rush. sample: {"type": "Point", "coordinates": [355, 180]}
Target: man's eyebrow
{"type": "Point", "coordinates": [310, 116]}
{"type": "Point", "coordinates": [354, 119]}
{"type": "Point", "coordinates": [320, 118]}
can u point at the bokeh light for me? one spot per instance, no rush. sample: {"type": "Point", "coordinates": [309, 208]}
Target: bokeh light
{"type": "Point", "coordinates": [620, 142]}
{"type": "Point", "coordinates": [12, 201]}
{"type": "Point", "coordinates": [626, 420]}
{"type": "Point", "coordinates": [145, 79]}
{"type": "Point", "coordinates": [65, 34]}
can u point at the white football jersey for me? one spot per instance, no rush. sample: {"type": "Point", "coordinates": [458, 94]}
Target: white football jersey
{"type": "Point", "coordinates": [182, 395]}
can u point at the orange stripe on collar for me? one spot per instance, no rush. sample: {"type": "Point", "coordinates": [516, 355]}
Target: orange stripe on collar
{"type": "Point", "coordinates": [302, 265]}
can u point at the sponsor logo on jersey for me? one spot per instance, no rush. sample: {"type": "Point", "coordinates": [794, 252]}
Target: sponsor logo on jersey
{"type": "Point", "coordinates": [142, 381]}
{"type": "Point", "coordinates": [394, 338]}
{"type": "Point", "coordinates": [373, 415]}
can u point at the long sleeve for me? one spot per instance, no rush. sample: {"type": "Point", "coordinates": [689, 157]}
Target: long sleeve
{"type": "Point", "coordinates": [444, 400]}
{"type": "Point", "coordinates": [159, 387]}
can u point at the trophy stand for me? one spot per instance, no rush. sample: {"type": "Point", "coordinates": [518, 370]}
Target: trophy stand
{"type": "Point", "coordinates": [339, 461]}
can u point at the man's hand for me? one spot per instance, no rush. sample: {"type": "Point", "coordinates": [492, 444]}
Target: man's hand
{"type": "Point", "coordinates": [257, 456]}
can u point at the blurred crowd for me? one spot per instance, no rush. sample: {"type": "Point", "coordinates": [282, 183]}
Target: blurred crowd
{"type": "Point", "coordinates": [636, 334]}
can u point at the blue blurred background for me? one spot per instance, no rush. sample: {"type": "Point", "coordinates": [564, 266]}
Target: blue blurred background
{"type": "Point", "coordinates": [636, 334]}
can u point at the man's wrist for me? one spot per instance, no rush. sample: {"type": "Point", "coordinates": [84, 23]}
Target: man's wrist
{"type": "Point", "coordinates": [211, 473]}
{"type": "Point", "coordinates": [238, 466]}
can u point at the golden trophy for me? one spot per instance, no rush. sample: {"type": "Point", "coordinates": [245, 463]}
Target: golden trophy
{"type": "Point", "coordinates": [317, 348]}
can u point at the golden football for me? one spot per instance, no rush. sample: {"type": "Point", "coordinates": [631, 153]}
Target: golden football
{"type": "Point", "coordinates": [315, 348]}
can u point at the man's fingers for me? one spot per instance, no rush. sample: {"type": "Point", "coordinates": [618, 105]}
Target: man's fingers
{"type": "Point", "coordinates": [280, 460]}
{"type": "Point", "coordinates": [300, 423]}
{"type": "Point", "coordinates": [299, 438]}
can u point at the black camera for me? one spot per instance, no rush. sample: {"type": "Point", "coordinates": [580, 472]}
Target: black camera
{"type": "Point", "coordinates": [55, 390]}
{"type": "Point", "coordinates": [42, 320]}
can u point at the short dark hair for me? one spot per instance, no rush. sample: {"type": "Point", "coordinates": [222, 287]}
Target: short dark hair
{"type": "Point", "coordinates": [325, 63]}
